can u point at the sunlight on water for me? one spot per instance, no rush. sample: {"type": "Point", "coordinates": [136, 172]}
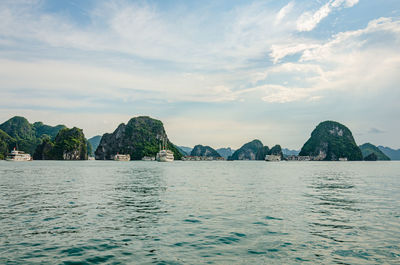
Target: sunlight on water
{"type": "Point", "coordinates": [200, 212]}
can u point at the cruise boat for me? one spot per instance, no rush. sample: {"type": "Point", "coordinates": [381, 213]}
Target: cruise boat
{"type": "Point", "coordinates": [16, 155]}
{"type": "Point", "coordinates": [119, 157]}
{"type": "Point", "coordinates": [165, 155]}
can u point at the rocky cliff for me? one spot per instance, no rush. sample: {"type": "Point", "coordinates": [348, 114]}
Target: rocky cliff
{"type": "Point", "coordinates": [247, 151]}
{"type": "Point", "coordinates": [331, 140]}
{"type": "Point", "coordinates": [69, 144]}
{"type": "Point", "coordinates": [140, 137]}
{"type": "Point", "coordinates": [200, 150]}
{"type": "Point", "coordinates": [262, 152]}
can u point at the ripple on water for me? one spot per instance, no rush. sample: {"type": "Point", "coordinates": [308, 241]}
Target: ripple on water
{"type": "Point", "coordinates": [184, 213]}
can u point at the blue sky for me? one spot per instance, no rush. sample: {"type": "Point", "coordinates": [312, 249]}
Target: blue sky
{"type": "Point", "coordinates": [219, 73]}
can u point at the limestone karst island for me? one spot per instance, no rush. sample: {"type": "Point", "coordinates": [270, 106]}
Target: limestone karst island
{"type": "Point", "coordinates": [142, 138]}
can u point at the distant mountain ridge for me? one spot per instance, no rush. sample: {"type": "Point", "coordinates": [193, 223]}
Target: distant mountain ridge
{"type": "Point", "coordinates": [289, 152]}
{"type": "Point", "coordinates": [391, 153]}
{"type": "Point", "coordinates": [186, 150]}
{"type": "Point", "coordinates": [94, 143]}
{"type": "Point", "coordinates": [225, 152]}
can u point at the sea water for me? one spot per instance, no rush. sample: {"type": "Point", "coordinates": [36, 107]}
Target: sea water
{"type": "Point", "coordinates": [253, 212]}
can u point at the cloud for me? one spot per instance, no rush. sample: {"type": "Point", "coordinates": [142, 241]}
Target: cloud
{"type": "Point", "coordinates": [341, 64]}
{"type": "Point", "coordinates": [376, 131]}
{"type": "Point", "coordinates": [309, 20]}
{"type": "Point", "coordinates": [283, 12]}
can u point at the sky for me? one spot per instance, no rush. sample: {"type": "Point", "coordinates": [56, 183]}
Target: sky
{"type": "Point", "coordinates": [218, 73]}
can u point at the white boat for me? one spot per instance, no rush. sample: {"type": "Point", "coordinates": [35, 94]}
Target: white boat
{"type": "Point", "coordinates": [165, 155]}
{"type": "Point", "coordinates": [16, 155]}
{"type": "Point", "coordinates": [119, 157]}
{"type": "Point", "coordinates": [148, 158]}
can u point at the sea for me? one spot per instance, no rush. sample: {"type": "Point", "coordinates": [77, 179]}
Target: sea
{"type": "Point", "coordinates": [206, 212]}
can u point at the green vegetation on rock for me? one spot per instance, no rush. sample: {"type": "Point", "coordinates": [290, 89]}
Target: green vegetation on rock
{"type": "Point", "coordinates": [28, 136]}
{"type": "Point", "coordinates": [42, 129]}
{"type": "Point", "coordinates": [69, 144]}
{"type": "Point", "coordinates": [247, 151]}
{"type": "Point", "coordinates": [331, 140]}
{"type": "Point", "coordinates": [200, 150]}
{"type": "Point", "coordinates": [6, 144]}
{"type": "Point", "coordinates": [255, 150]}
{"type": "Point", "coordinates": [140, 137]}
{"type": "Point", "coordinates": [369, 148]}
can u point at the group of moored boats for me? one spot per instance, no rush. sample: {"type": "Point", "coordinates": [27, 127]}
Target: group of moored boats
{"type": "Point", "coordinates": [164, 155]}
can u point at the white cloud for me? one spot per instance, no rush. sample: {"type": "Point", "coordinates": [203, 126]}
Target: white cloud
{"type": "Point", "coordinates": [309, 20]}
{"type": "Point", "coordinates": [351, 62]}
{"type": "Point", "coordinates": [283, 12]}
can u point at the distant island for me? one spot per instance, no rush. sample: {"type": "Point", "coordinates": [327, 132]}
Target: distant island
{"type": "Point", "coordinates": [255, 150]}
{"type": "Point", "coordinates": [331, 141]}
{"type": "Point", "coordinates": [141, 137]}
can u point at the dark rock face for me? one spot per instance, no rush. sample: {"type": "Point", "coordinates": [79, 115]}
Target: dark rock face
{"type": "Point", "coordinates": [247, 151]}
{"type": "Point", "coordinates": [368, 149]}
{"type": "Point", "coordinates": [225, 152]}
{"type": "Point", "coordinates": [262, 152]}
{"type": "Point", "coordinates": [69, 144]}
{"type": "Point", "coordinates": [276, 150]}
{"type": "Point", "coordinates": [44, 151]}
{"type": "Point", "coordinates": [371, 157]}
{"type": "Point", "coordinates": [140, 137]}
{"type": "Point", "coordinates": [330, 141]}
{"type": "Point", "coordinates": [200, 150]}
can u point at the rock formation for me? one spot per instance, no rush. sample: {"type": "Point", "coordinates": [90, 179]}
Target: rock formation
{"type": "Point", "coordinates": [200, 150]}
{"type": "Point", "coordinates": [140, 137]}
{"type": "Point", "coordinates": [331, 140]}
{"type": "Point", "coordinates": [69, 144]}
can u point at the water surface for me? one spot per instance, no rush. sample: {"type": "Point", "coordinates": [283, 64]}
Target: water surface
{"type": "Point", "coordinates": [93, 212]}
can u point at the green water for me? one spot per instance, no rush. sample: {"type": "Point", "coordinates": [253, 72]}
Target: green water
{"type": "Point", "coordinates": [94, 212]}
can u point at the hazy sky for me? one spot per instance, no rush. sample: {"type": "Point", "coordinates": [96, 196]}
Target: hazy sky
{"type": "Point", "coordinates": [219, 73]}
